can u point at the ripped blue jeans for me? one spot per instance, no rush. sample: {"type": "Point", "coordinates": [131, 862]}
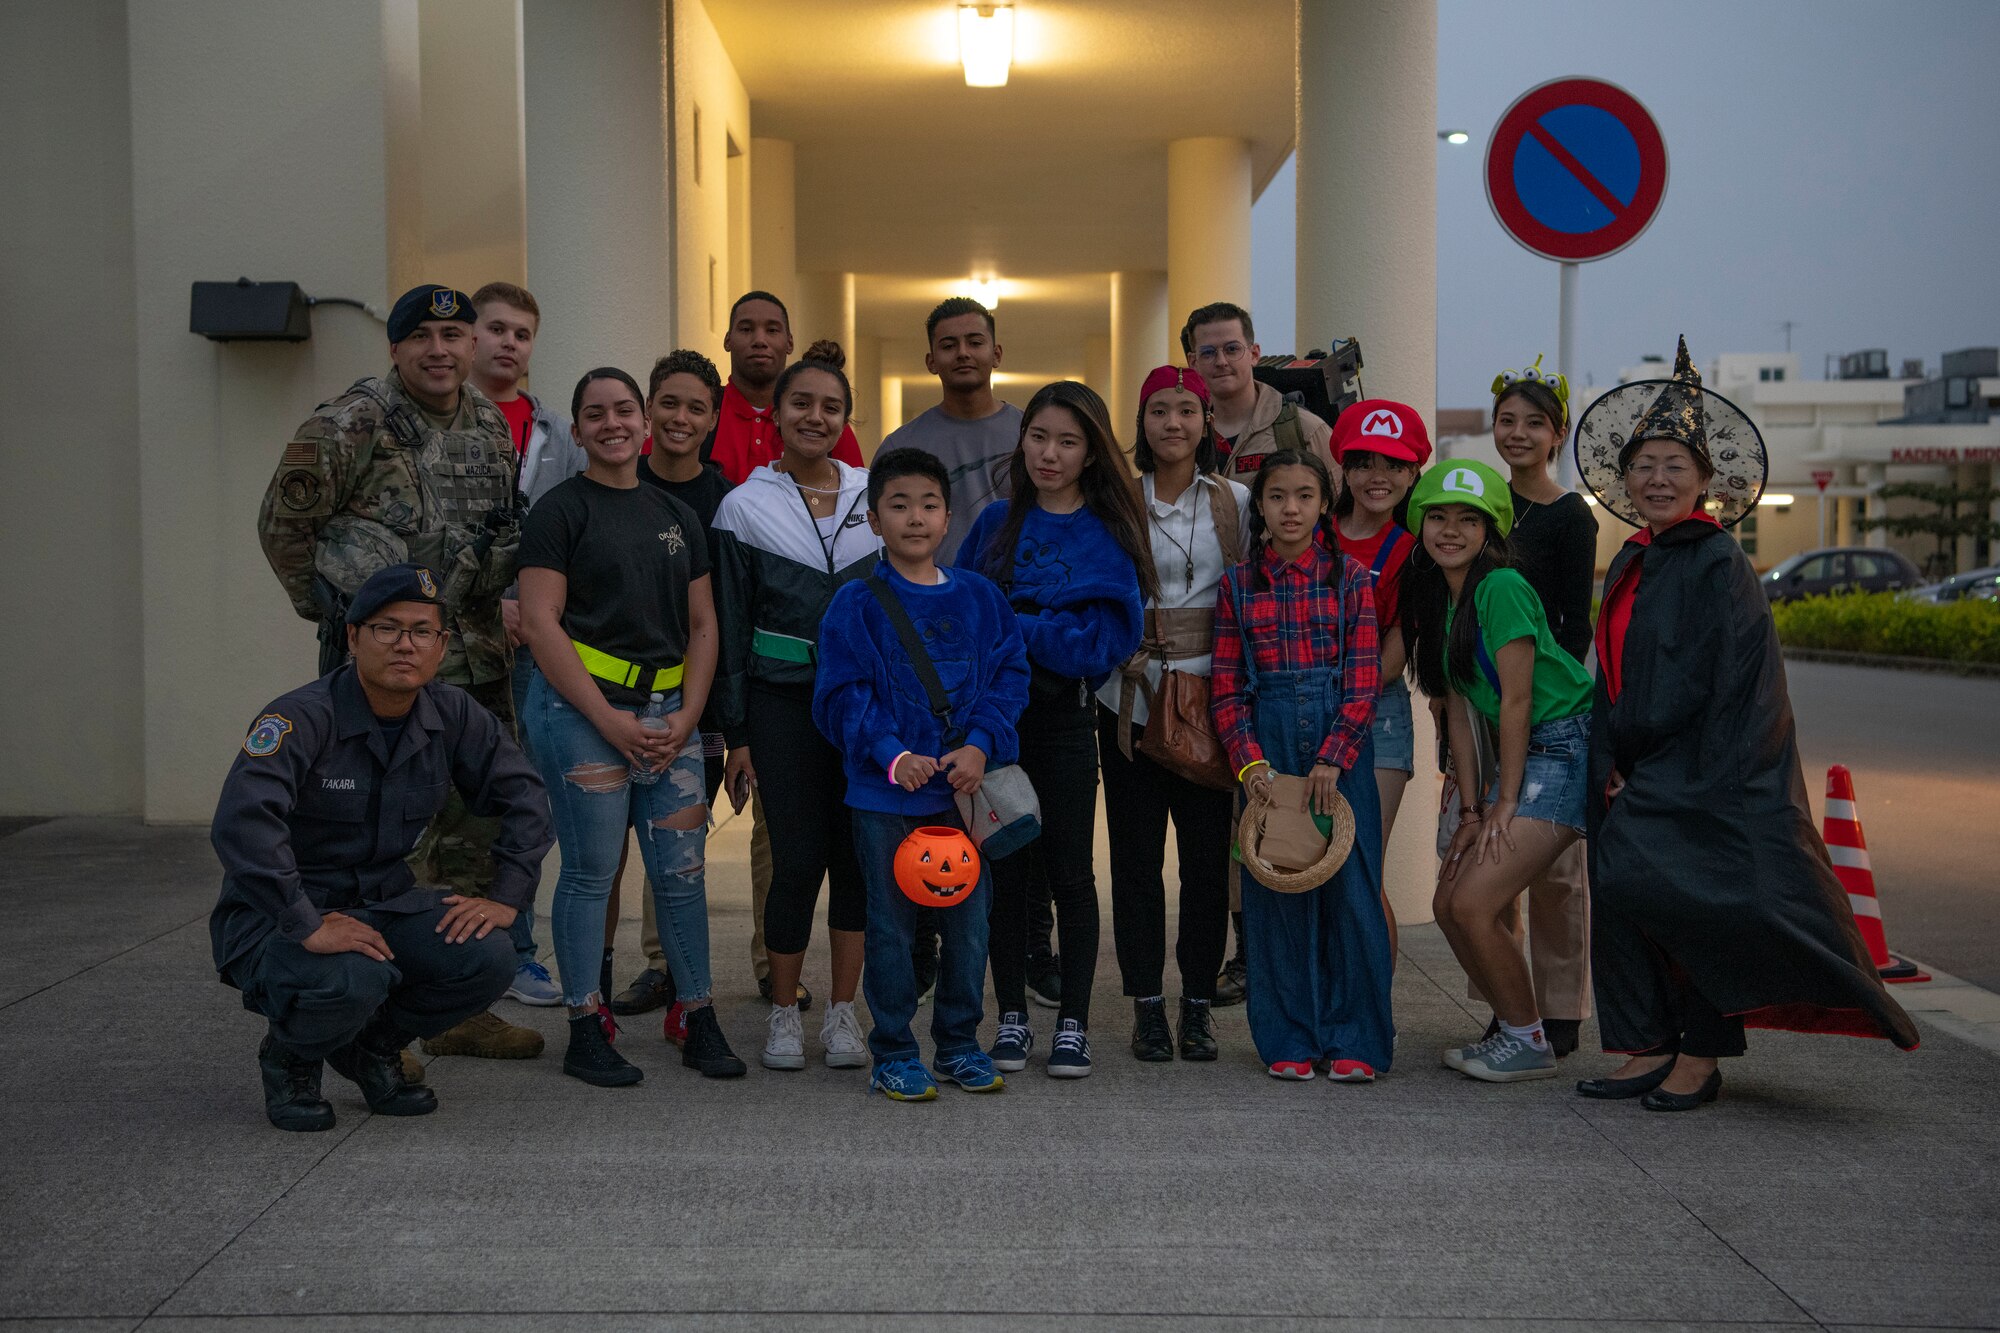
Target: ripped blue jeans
{"type": "Point", "coordinates": [593, 802]}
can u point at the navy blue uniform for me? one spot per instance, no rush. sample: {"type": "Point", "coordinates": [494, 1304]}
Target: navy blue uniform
{"type": "Point", "coordinates": [318, 813]}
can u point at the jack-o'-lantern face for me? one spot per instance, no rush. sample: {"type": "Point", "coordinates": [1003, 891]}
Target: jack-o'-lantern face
{"type": "Point", "coordinates": [937, 867]}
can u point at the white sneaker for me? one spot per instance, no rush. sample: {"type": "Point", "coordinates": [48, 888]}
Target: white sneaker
{"type": "Point", "coordinates": [785, 1047]}
{"type": "Point", "coordinates": [841, 1035]}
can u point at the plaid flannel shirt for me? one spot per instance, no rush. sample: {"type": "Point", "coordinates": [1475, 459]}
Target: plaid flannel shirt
{"type": "Point", "coordinates": [1289, 626]}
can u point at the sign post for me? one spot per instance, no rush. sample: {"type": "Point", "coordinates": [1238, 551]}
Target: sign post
{"type": "Point", "coordinates": [1575, 171]}
{"type": "Point", "coordinates": [1822, 478]}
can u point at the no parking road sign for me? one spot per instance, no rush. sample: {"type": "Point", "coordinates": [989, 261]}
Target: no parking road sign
{"type": "Point", "coordinates": [1576, 170]}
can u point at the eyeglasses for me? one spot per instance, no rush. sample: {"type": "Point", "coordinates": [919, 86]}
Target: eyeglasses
{"type": "Point", "coordinates": [1671, 471]}
{"type": "Point", "coordinates": [421, 636]}
{"type": "Point", "coordinates": [1227, 352]}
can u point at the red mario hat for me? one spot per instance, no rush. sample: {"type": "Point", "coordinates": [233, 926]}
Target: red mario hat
{"type": "Point", "coordinates": [1382, 426]}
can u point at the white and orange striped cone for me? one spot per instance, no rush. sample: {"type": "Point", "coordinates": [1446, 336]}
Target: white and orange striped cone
{"type": "Point", "coordinates": [1845, 845]}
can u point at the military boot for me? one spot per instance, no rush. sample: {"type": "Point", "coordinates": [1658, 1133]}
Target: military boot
{"type": "Point", "coordinates": [489, 1037]}
{"type": "Point", "coordinates": [291, 1090]}
{"type": "Point", "coordinates": [374, 1062]}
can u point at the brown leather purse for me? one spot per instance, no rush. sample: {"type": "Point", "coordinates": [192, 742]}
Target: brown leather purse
{"type": "Point", "coordinates": [1179, 735]}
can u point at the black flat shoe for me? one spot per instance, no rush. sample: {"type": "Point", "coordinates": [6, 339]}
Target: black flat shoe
{"type": "Point", "coordinates": [1619, 1089]}
{"type": "Point", "coordinates": [1684, 1101]}
{"type": "Point", "coordinates": [1152, 1041]}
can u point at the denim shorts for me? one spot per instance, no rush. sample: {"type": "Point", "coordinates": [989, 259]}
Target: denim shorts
{"type": "Point", "coordinates": [1395, 741]}
{"type": "Point", "coordinates": [1557, 774]}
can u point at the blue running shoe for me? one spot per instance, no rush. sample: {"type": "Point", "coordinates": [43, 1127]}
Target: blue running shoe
{"type": "Point", "coordinates": [1070, 1056]}
{"type": "Point", "coordinates": [972, 1070]}
{"type": "Point", "coordinates": [533, 985]}
{"type": "Point", "coordinates": [1012, 1044]}
{"type": "Point", "coordinates": [904, 1081]}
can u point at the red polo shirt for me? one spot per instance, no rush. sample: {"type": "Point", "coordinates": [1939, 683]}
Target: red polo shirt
{"type": "Point", "coordinates": [746, 438]}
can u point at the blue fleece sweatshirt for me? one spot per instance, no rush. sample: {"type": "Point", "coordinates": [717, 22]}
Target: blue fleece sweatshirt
{"type": "Point", "coordinates": [1074, 589]}
{"type": "Point", "coordinates": [869, 702]}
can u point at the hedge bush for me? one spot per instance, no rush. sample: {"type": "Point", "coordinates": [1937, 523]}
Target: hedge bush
{"type": "Point", "coordinates": [1882, 622]}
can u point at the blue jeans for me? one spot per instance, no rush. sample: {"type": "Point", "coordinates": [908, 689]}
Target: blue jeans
{"type": "Point", "coordinates": [1394, 730]}
{"type": "Point", "coordinates": [593, 802]}
{"type": "Point", "coordinates": [889, 981]}
{"type": "Point", "coordinates": [522, 932]}
{"type": "Point", "coordinates": [1319, 960]}
{"type": "Point", "coordinates": [1557, 773]}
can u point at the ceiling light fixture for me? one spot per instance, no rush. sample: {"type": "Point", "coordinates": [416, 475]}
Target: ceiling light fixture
{"type": "Point", "coordinates": [986, 291]}
{"type": "Point", "coordinates": [1454, 136]}
{"type": "Point", "coordinates": [986, 43]}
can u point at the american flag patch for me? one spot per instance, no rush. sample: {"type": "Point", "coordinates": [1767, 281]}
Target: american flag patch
{"type": "Point", "coordinates": [301, 453]}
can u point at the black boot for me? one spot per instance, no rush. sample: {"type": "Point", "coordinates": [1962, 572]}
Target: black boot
{"type": "Point", "coordinates": [1197, 1030]}
{"type": "Point", "coordinates": [1151, 1041]}
{"type": "Point", "coordinates": [591, 1058]}
{"type": "Point", "coordinates": [1562, 1034]}
{"type": "Point", "coordinates": [373, 1061]}
{"type": "Point", "coordinates": [291, 1090]}
{"type": "Point", "coordinates": [1234, 982]}
{"type": "Point", "coordinates": [706, 1048]}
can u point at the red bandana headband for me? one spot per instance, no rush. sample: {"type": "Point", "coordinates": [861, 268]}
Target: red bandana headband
{"type": "Point", "coordinates": [1173, 377]}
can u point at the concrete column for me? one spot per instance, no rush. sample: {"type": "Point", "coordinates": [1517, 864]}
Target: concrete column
{"type": "Point", "coordinates": [1097, 372]}
{"type": "Point", "coordinates": [600, 260]}
{"type": "Point", "coordinates": [1966, 556]}
{"type": "Point", "coordinates": [822, 306]}
{"type": "Point", "coordinates": [1139, 339]}
{"type": "Point", "coordinates": [1367, 188]}
{"type": "Point", "coordinates": [892, 404]}
{"type": "Point", "coordinates": [1844, 474]}
{"type": "Point", "coordinates": [472, 133]}
{"type": "Point", "coordinates": [774, 241]}
{"type": "Point", "coordinates": [307, 186]}
{"type": "Point", "coordinates": [1876, 477]}
{"type": "Point", "coordinates": [1208, 225]}
{"type": "Point", "coordinates": [864, 373]}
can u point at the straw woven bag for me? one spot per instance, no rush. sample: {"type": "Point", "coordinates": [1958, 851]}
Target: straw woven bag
{"type": "Point", "coordinates": [1257, 811]}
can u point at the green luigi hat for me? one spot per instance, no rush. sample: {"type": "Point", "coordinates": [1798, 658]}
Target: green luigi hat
{"type": "Point", "coordinates": [1467, 482]}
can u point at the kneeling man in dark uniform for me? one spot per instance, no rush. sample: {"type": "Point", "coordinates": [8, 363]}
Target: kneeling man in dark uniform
{"type": "Point", "coordinates": [321, 925]}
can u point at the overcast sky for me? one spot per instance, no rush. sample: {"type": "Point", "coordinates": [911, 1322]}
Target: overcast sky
{"type": "Point", "coordinates": [1833, 162]}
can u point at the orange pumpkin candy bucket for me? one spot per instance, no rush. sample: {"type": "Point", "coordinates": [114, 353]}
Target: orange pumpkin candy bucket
{"type": "Point", "coordinates": [937, 867]}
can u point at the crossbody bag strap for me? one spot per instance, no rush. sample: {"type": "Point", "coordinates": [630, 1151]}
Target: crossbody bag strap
{"type": "Point", "coordinates": [920, 657]}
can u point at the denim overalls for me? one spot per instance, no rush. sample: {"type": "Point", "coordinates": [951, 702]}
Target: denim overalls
{"type": "Point", "coordinates": [1319, 960]}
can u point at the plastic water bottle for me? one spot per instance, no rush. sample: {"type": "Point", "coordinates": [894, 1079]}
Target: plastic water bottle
{"type": "Point", "coordinates": [653, 719]}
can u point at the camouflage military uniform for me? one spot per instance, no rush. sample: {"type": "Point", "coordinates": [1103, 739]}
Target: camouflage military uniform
{"type": "Point", "coordinates": [370, 480]}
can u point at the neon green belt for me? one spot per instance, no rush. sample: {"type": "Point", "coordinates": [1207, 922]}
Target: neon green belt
{"type": "Point", "coordinates": [631, 675]}
{"type": "Point", "coordinates": [782, 647]}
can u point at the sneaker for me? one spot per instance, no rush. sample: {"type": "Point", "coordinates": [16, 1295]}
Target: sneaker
{"type": "Point", "coordinates": [675, 1027]}
{"type": "Point", "coordinates": [904, 1081]}
{"type": "Point", "coordinates": [1152, 1040]}
{"type": "Point", "coordinates": [1012, 1043]}
{"type": "Point", "coordinates": [488, 1037]}
{"type": "Point", "coordinates": [1233, 984]}
{"type": "Point", "coordinates": [1506, 1059]}
{"type": "Point", "coordinates": [592, 1058]}
{"type": "Point", "coordinates": [1070, 1056]}
{"type": "Point", "coordinates": [706, 1049]}
{"type": "Point", "coordinates": [785, 1044]}
{"type": "Point", "coordinates": [648, 991]}
{"type": "Point", "coordinates": [533, 985]}
{"type": "Point", "coordinates": [972, 1070]}
{"type": "Point", "coordinates": [1351, 1071]}
{"type": "Point", "coordinates": [1197, 1039]}
{"type": "Point", "coordinates": [804, 996]}
{"type": "Point", "coordinates": [1045, 981]}
{"type": "Point", "coordinates": [1293, 1071]}
{"type": "Point", "coordinates": [840, 1034]}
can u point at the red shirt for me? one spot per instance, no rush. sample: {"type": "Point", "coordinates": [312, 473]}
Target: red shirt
{"type": "Point", "coordinates": [746, 438]}
{"type": "Point", "coordinates": [520, 414]}
{"type": "Point", "coordinates": [1614, 617]}
{"type": "Point", "coordinates": [1384, 554]}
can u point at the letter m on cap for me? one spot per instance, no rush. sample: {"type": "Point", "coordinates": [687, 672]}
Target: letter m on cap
{"type": "Point", "coordinates": [1382, 422]}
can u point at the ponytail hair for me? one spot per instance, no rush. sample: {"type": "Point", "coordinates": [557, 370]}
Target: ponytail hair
{"type": "Point", "coordinates": [1323, 530]}
{"type": "Point", "coordinates": [1106, 484]}
{"type": "Point", "coordinates": [824, 355]}
{"type": "Point", "coordinates": [1442, 664]}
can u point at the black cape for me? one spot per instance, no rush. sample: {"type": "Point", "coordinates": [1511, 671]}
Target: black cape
{"type": "Point", "coordinates": [1707, 871]}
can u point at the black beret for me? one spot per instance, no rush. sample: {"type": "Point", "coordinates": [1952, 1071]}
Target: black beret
{"type": "Point", "coordinates": [421, 303]}
{"type": "Point", "coordinates": [397, 583]}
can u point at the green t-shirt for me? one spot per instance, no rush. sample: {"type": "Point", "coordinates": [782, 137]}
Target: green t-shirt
{"type": "Point", "coordinates": [1508, 609]}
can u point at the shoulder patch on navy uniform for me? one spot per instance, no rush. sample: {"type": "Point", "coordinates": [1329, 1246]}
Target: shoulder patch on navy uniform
{"type": "Point", "coordinates": [299, 488]}
{"type": "Point", "coordinates": [266, 735]}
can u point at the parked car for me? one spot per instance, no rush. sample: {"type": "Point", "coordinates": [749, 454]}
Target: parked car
{"type": "Point", "coordinates": [1840, 569]}
{"type": "Point", "coordinates": [1974, 585]}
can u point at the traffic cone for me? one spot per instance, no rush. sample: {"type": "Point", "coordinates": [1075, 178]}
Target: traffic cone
{"type": "Point", "coordinates": [1849, 852]}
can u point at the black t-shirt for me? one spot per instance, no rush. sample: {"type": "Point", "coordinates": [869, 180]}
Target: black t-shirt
{"type": "Point", "coordinates": [629, 556]}
{"type": "Point", "coordinates": [703, 495]}
{"type": "Point", "coordinates": [1555, 548]}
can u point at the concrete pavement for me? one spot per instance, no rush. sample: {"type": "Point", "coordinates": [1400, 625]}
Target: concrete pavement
{"type": "Point", "coordinates": [1838, 1184]}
